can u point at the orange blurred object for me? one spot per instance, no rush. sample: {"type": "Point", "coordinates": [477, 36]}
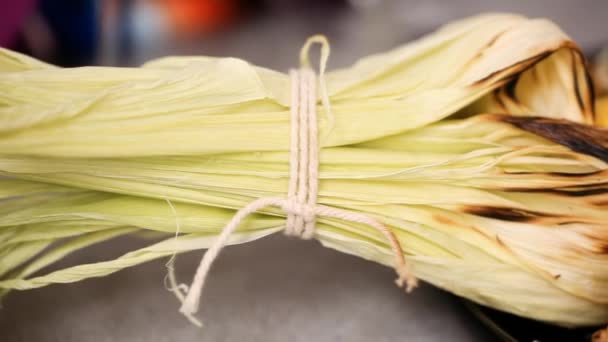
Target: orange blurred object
{"type": "Point", "coordinates": [201, 16]}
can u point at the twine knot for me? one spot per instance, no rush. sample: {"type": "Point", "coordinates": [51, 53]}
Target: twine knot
{"type": "Point", "coordinates": [301, 202]}
{"type": "Point", "coordinates": [306, 212]}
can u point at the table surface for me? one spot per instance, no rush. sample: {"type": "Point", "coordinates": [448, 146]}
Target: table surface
{"type": "Point", "coordinates": [275, 289]}
{"type": "Point", "coordinates": [278, 289]}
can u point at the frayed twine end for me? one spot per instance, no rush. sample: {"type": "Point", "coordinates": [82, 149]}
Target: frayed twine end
{"type": "Point", "coordinates": [406, 278]}
{"type": "Point", "coordinates": [188, 310]}
{"type": "Point", "coordinates": [193, 320]}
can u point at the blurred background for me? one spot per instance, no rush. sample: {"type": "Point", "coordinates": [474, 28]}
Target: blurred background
{"type": "Point", "coordinates": [266, 32]}
{"type": "Point", "coordinates": [255, 292]}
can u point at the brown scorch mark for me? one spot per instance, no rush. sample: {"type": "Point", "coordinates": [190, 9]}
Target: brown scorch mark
{"type": "Point", "coordinates": [580, 138]}
{"type": "Point", "coordinates": [503, 213]}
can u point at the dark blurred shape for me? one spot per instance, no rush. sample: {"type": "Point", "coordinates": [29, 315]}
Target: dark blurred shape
{"type": "Point", "coordinates": [124, 10]}
{"type": "Point", "coordinates": [511, 328]}
{"type": "Point", "coordinates": [74, 24]}
{"type": "Point", "coordinates": [64, 32]}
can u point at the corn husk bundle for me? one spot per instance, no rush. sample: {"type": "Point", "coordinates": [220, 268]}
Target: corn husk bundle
{"type": "Point", "coordinates": [475, 145]}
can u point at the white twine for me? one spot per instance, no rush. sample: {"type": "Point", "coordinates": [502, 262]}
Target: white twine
{"type": "Point", "coordinates": [301, 201]}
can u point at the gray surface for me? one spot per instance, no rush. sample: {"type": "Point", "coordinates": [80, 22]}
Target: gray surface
{"type": "Point", "coordinates": [275, 289]}
{"type": "Point", "coordinates": [278, 289]}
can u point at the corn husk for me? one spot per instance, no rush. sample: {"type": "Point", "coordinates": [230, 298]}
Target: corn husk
{"type": "Point", "coordinates": [602, 111]}
{"type": "Point", "coordinates": [474, 144]}
{"type": "Point", "coordinates": [599, 71]}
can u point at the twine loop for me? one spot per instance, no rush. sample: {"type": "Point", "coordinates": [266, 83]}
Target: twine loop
{"type": "Point", "coordinates": [301, 202]}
